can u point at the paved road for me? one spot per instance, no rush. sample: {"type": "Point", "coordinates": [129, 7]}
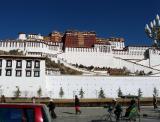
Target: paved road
{"type": "Point", "coordinates": [95, 114]}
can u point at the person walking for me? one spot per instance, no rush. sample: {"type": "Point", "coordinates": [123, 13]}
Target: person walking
{"type": "Point", "coordinates": [3, 99]}
{"type": "Point", "coordinates": [118, 111]}
{"type": "Point", "coordinates": [130, 107]}
{"type": "Point", "coordinates": [51, 107]}
{"type": "Point", "coordinates": [34, 100]}
{"type": "Point", "coordinates": [155, 102]}
{"type": "Point", "coordinates": [77, 105]}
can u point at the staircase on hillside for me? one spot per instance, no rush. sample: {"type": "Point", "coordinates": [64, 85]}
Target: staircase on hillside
{"type": "Point", "coordinates": [154, 70]}
{"type": "Point", "coordinates": [85, 72]}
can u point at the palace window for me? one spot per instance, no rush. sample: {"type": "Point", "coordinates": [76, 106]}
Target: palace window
{"type": "Point", "coordinates": [9, 63]}
{"type": "Point", "coordinates": [29, 64]}
{"type": "Point", "coordinates": [19, 64]}
{"type": "Point", "coordinates": [36, 73]}
{"type": "Point", "coordinates": [28, 73]}
{"type": "Point", "coordinates": [0, 72]}
{"type": "Point", "coordinates": [8, 72]}
{"type": "Point", "coordinates": [18, 73]}
{"type": "Point", "coordinates": [0, 62]}
{"type": "Point", "coordinates": [37, 64]}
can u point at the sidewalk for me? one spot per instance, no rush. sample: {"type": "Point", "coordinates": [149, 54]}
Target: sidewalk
{"type": "Point", "coordinates": [94, 114]}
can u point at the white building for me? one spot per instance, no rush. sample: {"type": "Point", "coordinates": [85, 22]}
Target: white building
{"type": "Point", "coordinates": [15, 73]}
{"type": "Point", "coordinates": [23, 37]}
{"type": "Point", "coordinates": [27, 73]}
{"type": "Point", "coordinates": [111, 54]}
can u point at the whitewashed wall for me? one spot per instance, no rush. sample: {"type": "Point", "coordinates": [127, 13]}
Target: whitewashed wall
{"type": "Point", "coordinates": [88, 56]}
{"type": "Point", "coordinates": [25, 84]}
{"type": "Point", "coordinates": [92, 84]}
{"type": "Point", "coordinates": [51, 48]}
{"type": "Point", "coordinates": [98, 59]}
{"type": "Point", "coordinates": [8, 84]}
{"type": "Point", "coordinates": [72, 84]}
{"type": "Point", "coordinates": [154, 58]}
{"type": "Point", "coordinates": [133, 67]}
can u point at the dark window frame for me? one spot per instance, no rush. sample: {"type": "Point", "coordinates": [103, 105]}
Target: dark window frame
{"type": "Point", "coordinates": [19, 61]}
{"type": "Point", "coordinates": [10, 71]}
{"type": "Point", "coordinates": [27, 62]}
{"type": "Point", "coordinates": [0, 62]}
{"type": "Point", "coordinates": [7, 62]}
{"type": "Point", "coordinates": [0, 72]}
{"type": "Point", "coordinates": [30, 73]}
{"type": "Point", "coordinates": [17, 73]}
{"type": "Point", "coordinates": [37, 62]}
{"type": "Point", "coordinates": [36, 72]}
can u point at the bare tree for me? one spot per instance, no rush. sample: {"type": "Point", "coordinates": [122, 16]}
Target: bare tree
{"type": "Point", "coordinates": [101, 94]}
{"type": "Point", "coordinates": [155, 91]}
{"type": "Point", "coordinates": [39, 92]}
{"type": "Point", "coordinates": [17, 93]}
{"type": "Point", "coordinates": [61, 92]}
{"type": "Point", "coordinates": [81, 93]}
{"type": "Point", "coordinates": [119, 92]}
{"type": "Point", "coordinates": [140, 93]}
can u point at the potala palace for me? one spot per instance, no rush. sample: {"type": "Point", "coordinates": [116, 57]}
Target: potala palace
{"type": "Point", "coordinates": [28, 72]}
{"type": "Point", "coordinates": [86, 49]}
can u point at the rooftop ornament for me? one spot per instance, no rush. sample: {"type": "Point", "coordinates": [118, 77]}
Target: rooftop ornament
{"type": "Point", "coordinates": [153, 31]}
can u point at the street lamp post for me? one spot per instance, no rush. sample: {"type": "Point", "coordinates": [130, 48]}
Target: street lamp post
{"type": "Point", "coordinates": [50, 94]}
{"type": "Point", "coordinates": [96, 93]}
{"type": "Point", "coordinates": [153, 31]}
{"type": "Point", "coordinates": [74, 93]}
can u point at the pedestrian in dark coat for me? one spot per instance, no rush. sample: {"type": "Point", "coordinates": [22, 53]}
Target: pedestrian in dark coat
{"type": "Point", "coordinates": [51, 107]}
{"type": "Point", "coordinates": [118, 111]}
{"type": "Point", "coordinates": [77, 105]}
{"type": "Point", "coordinates": [130, 107]}
{"type": "Point", "coordinates": [3, 99]}
{"type": "Point", "coordinates": [33, 99]}
{"type": "Point", "coordinates": [155, 102]}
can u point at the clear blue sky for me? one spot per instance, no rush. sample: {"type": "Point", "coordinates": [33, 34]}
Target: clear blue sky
{"type": "Point", "coordinates": [109, 18]}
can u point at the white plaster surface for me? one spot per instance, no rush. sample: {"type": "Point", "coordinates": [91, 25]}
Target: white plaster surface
{"type": "Point", "coordinates": [91, 85]}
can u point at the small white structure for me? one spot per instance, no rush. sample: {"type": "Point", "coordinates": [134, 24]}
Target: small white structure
{"type": "Point", "coordinates": [35, 37]}
{"type": "Point", "coordinates": [22, 36]}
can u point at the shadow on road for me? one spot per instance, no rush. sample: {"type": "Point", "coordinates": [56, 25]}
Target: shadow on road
{"type": "Point", "coordinates": [68, 112]}
{"type": "Point", "coordinates": [100, 121]}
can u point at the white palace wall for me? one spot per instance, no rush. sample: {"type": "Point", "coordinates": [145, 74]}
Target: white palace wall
{"type": "Point", "coordinates": [42, 47]}
{"type": "Point", "coordinates": [31, 46]}
{"type": "Point", "coordinates": [133, 67]}
{"type": "Point", "coordinates": [71, 85]}
{"type": "Point", "coordinates": [91, 85]}
{"type": "Point", "coordinates": [30, 85]}
{"type": "Point", "coordinates": [11, 45]}
{"type": "Point", "coordinates": [25, 84]}
{"type": "Point", "coordinates": [128, 55]}
{"type": "Point", "coordinates": [98, 56]}
{"type": "Point", "coordinates": [154, 58]}
{"type": "Point", "coordinates": [87, 57]}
